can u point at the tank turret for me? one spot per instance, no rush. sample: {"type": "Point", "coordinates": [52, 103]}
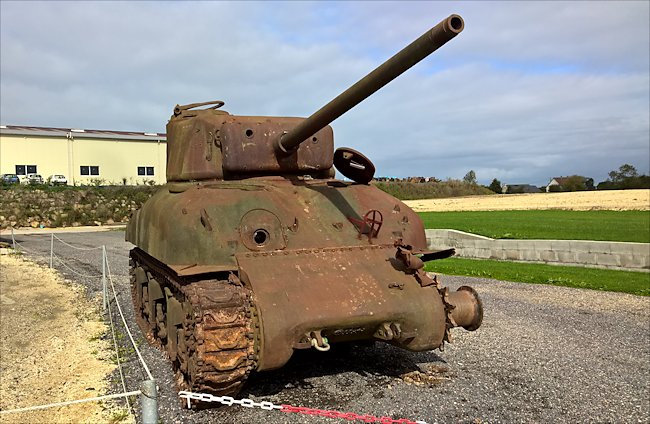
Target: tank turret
{"type": "Point", "coordinates": [211, 144]}
{"type": "Point", "coordinates": [253, 250]}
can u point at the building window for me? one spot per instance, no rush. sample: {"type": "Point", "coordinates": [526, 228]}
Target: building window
{"type": "Point", "coordinates": [145, 170]}
{"type": "Point", "coordinates": [25, 169]}
{"type": "Point", "coordinates": [89, 170]}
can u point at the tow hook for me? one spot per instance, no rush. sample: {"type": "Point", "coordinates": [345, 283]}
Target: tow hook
{"type": "Point", "coordinates": [389, 331]}
{"type": "Point", "coordinates": [318, 341]}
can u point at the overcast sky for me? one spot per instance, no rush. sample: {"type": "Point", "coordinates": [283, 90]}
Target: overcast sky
{"type": "Point", "coordinates": [528, 91]}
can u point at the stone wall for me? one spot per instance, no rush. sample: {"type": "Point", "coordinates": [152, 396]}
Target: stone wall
{"type": "Point", "coordinates": [605, 254]}
{"type": "Point", "coordinates": [49, 207]}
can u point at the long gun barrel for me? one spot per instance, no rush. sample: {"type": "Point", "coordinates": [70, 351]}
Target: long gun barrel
{"type": "Point", "coordinates": [429, 42]}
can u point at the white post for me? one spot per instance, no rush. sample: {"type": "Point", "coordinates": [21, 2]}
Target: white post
{"type": "Point", "coordinates": [51, 248]}
{"type": "Point", "coordinates": [149, 402]}
{"type": "Point", "coordinates": [104, 277]}
{"type": "Point", "coordinates": [13, 240]}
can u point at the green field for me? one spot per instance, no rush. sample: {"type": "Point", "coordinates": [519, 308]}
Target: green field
{"type": "Point", "coordinates": [631, 226]}
{"type": "Point", "coordinates": [590, 278]}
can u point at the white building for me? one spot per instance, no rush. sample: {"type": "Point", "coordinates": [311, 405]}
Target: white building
{"type": "Point", "coordinates": [84, 156]}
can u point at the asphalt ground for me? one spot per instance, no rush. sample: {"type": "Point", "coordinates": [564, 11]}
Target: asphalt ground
{"type": "Point", "coordinates": [543, 354]}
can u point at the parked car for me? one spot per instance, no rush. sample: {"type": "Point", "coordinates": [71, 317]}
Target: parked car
{"type": "Point", "coordinates": [10, 179]}
{"type": "Point", "coordinates": [34, 179]}
{"type": "Point", "coordinates": [57, 179]}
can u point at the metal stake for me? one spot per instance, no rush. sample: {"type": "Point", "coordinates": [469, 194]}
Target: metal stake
{"type": "Point", "coordinates": [149, 402]}
{"type": "Point", "coordinates": [51, 248]}
{"type": "Point", "coordinates": [104, 294]}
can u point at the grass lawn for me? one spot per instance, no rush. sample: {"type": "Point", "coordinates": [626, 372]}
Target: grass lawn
{"type": "Point", "coordinates": [589, 278]}
{"type": "Point", "coordinates": [631, 226]}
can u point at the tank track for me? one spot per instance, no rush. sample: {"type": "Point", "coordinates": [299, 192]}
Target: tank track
{"type": "Point", "coordinates": [214, 347]}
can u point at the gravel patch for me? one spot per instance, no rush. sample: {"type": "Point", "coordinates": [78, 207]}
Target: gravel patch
{"type": "Point", "coordinates": [543, 354]}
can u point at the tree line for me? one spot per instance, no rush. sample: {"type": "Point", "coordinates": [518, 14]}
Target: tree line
{"type": "Point", "coordinates": [625, 177]}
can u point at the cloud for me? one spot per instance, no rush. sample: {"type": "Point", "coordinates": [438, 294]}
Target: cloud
{"type": "Point", "coordinates": [529, 91]}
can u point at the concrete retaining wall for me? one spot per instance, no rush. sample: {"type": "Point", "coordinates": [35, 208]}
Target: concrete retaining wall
{"type": "Point", "coordinates": [605, 254]}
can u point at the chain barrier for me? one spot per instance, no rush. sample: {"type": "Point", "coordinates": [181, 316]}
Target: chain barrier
{"type": "Point", "coordinates": [117, 351]}
{"type": "Point", "coordinates": [148, 396]}
{"type": "Point", "coordinates": [269, 406]}
{"type": "Point", "coordinates": [110, 278]}
{"type": "Point", "coordinates": [21, 247]}
{"type": "Point", "coordinates": [126, 327]}
{"type": "Point", "coordinates": [105, 267]}
{"type": "Point", "coordinates": [75, 247]}
{"type": "Point", "coordinates": [226, 400]}
{"type": "Point", "coordinates": [70, 402]}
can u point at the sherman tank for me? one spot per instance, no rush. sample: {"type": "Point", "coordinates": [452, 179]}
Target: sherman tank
{"type": "Point", "coordinates": [253, 249]}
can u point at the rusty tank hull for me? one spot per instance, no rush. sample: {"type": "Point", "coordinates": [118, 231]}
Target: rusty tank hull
{"type": "Point", "coordinates": [253, 250]}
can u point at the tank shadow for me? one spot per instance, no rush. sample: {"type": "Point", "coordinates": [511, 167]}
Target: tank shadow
{"type": "Point", "coordinates": [333, 196]}
{"type": "Point", "coordinates": [370, 361]}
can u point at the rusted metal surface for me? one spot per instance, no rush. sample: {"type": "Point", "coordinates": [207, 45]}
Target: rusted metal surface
{"type": "Point", "coordinates": [468, 309]}
{"type": "Point", "coordinates": [342, 292]}
{"type": "Point", "coordinates": [247, 146]}
{"type": "Point", "coordinates": [253, 251]}
{"type": "Point", "coordinates": [208, 328]}
{"type": "Point", "coordinates": [354, 165]}
{"type": "Point", "coordinates": [211, 144]}
{"type": "Point", "coordinates": [296, 214]}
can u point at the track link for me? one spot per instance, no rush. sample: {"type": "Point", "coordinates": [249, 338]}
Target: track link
{"type": "Point", "coordinates": [213, 341]}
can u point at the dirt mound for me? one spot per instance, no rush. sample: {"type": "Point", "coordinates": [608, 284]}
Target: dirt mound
{"type": "Point", "coordinates": [50, 346]}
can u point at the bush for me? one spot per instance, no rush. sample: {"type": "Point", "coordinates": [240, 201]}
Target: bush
{"type": "Point", "coordinates": [642, 181]}
{"type": "Point", "coordinates": [431, 190]}
{"type": "Point", "coordinates": [496, 186]}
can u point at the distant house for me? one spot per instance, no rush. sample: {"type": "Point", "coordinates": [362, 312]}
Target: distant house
{"type": "Point", "coordinates": [572, 183]}
{"type": "Point", "coordinates": [519, 188]}
{"type": "Point", "coordinates": [556, 182]}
